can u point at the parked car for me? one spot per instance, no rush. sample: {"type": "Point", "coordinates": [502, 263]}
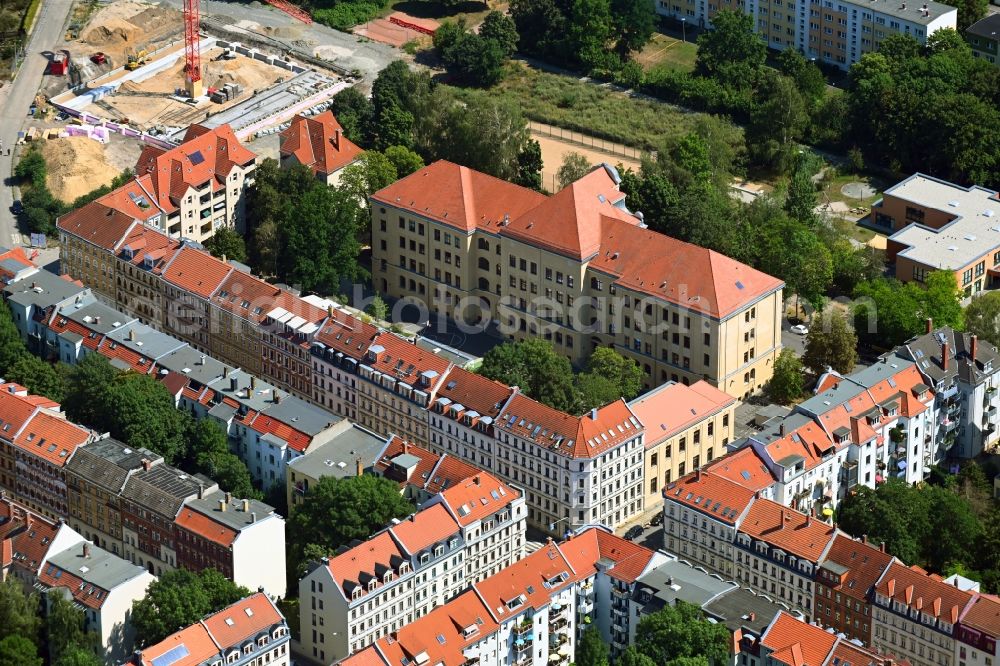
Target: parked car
{"type": "Point", "coordinates": [800, 329]}
{"type": "Point", "coordinates": [633, 532]}
{"type": "Point", "coordinates": [657, 519]}
{"type": "Point", "coordinates": [17, 207]}
{"type": "Point", "coordinates": [98, 58]}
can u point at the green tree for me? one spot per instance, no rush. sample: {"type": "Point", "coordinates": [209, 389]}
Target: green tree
{"type": "Point", "coordinates": [208, 453]}
{"type": "Point", "coordinates": [982, 316]}
{"type": "Point", "coordinates": [632, 657]}
{"type": "Point", "coordinates": [777, 123]}
{"type": "Point", "coordinates": [800, 202]}
{"type": "Point", "coordinates": [592, 650]}
{"type": "Point", "coordinates": [18, 651]}
{"type": "Point", "coordinates": [681, 631]}
{"type": "Point", "coordinates": [624, 372]}
{"type": "Point", "coordinates": [633, 21]}
{"type": "Point", "coordinates": [394, 127]}
{"type": "Point", "coordinates": [731, 51]}
{"type": "Point", "coordinates": [18, 611]}
{"type": "Point", "coordinates": [787, 383]}
{"type": "Point", "coordinates": [588, 30]}
{"type": "Point", "coordinates": [64, 628]}
{"type": "Point", "coordinates": [807, 75]}
{"type": "Point", "coordinates": [969, 11]}
{"type": "Point", "coordinates": [942, 299]}
{"type": "Point", "coordinates": [372, 172]}
{"type": "Point", "coordinates": [535, 367]}
{"type": "Point", "coordinates": [888, 312]}
{"type": "Point", "coordinates": [76, 656]}
{"type": "Point", "coordinates": [179, 598]}
{"type": "Point", "coordinates": [500, 28]}
{"type": "Point", "coordinates": [38, 376]}
{"type": "Point", "coordinates": [140, 411]}
{"type": "Point", "coordinates": [12, 347]}
{"type": "Point", "coordinates": [892, 514]}
{"type": "Point", "coordinates": [831, 343]}
{"type": "Point", "coordinates": [336, 511]}
{"type": "Point", "coordinates": [378, 309]}
{"type": "Point", "coordinates": [87, 381]}
{"type": "Point", "coordinates": [31, 168]}
{"type": "Point", "coordinates": [594, 391]}
{"type": "Point", "coordinates": [225, 242]}
{"type": "Point", "coordinates": [574, 167]}
{"type": "Point", "coordinates": [353, 110]}
{"type": "Point", "coordinates": [528, 167]}
{"type": "Point", "coordinates": [404, 160]}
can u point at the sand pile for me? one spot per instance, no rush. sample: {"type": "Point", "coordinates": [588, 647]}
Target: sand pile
{"type": "Point", "coordinates": [111, 33]}
{"type": "Point", "coordinates": [128, 24]}
{"type": "Point", "coordinates": [76, 165]}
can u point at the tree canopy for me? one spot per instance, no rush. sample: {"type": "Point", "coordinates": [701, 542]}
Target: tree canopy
{"type": "Point", "coordinates": [534, 367]}
{"type": "Point", "coordinates": [982, 316]}
{"type": "Point", "coordinates": [681, 632]}
{"type": "Point", "coordinates": [225, 242]}
{"type": "Point", "coordinates": [787, 383]}
{"type": "Point", "coordinates": [831, 343]}
{"type": "Point", "coordinates": [179, 598]}
{"type": "Point", "coordinates": [592, 650]}
{"type": "Point", "coordinates": [888, 312]}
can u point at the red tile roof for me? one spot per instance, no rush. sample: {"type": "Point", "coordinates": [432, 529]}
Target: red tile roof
{"type": "Point", "coordinates": [713, 495]}
{"type": "Point", "coordinates": [97, 223]}
{"type": "Point", "coordinates": [865, 564]}
{"type": "Point", "coordinates": [421, 473]}
{"type": "Point", "coordinates": [204, 156]}
{"type": "Point", "coordinates": [28, 534]}
{"type": "Point", "coordinates": [85, 594]}
{"type": "Point", "coordinates": [196, 271]}
{"type": "Point", "coordinates": [477, 497]}
{"type": "Point", "coordinates": [51, 437]}
{"type": "Point", "coordinates": [17, 256]}
{"type": "Point", "coordinates": [810, 441]}
{"type": "Point", "coordinates": [144, 242]}
{"type": "Point", "coordinates": [319, 143]}
{"type": "Point", "coordinates": [205, 527]}
{"type": "Point", "coordinates": [796, 643]}
{"type": "Point", "coordinates": [234, 624]}
{"type": "Point", "coordinates": [450, 471]}
{"type": "Point", "coordinates": [62, 324]}
{"type": "Point", "coordinates": [672, 408]}
{"type": "Point", "coordinates": [347, 335]}
{"type": "Point", "coordinates": [437, 638]}
{"type": "Point", "coordinates": [246, 296]}
{"type": "Point", "coordinates": [984, 615]}
{"type": "Point", "coordinates": [529, 581]}
{"type": "Point", "coordinates": [264, 424]}
{"type": "Point", "coordinates": [584, 550]}
{"type": "Point", "coordinates": [459, 197]}
{"type": "Point", "coordinates": [472, 392]}
{"type": "Point", "coordinates": [357, 566]}
{"type": "Point", "coordinates": [696, 278]}
{"type": "Point", "coordinates": [576, 436]}
{"type": "Point", "coordinates": [916, 588]}
{"type": "Point", "coordinates": [370, 656]}
{"type": "Point", "coordinates": [744, 467]}
{"type": "Point", "coordinates": [791, 531]}
{"type": "Point", "coordinates": [406, 361]}
{"type": "Point", "coordinates": [424, 528]}
{"type": "Point", "coordinates": [195, 638]}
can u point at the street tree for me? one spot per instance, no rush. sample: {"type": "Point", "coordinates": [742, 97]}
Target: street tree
{"type": "Point", "coordinates": [535, 367]}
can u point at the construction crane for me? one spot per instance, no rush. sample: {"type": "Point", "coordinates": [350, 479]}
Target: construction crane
{"type": "Point", "coordinates": [192, 48]}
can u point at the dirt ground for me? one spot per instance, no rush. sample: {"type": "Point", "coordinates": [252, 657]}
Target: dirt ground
{"type": "Point", "coordinates": [148, 103]}
{"type": "Point", "coordinates": [553, 151]}
{"type": "Point", "coordinates": [129, 24]}
{"type": "Point", "coordinates": [77, 165]}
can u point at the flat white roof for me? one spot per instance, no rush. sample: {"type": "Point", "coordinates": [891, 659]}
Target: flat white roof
{"type": "Point", "coordinates": [975, 231]}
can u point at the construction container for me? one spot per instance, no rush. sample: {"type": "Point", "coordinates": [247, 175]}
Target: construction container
{"type": "Point", "coordinates": [59, 65]}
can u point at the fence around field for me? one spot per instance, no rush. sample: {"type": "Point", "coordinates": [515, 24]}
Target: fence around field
{"type": "Point", "coordinates": [571, 136]}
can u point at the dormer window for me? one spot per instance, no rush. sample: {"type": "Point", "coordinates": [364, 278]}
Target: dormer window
{"type": "Point", "coordinates": [516, 602]}
{"type": "Point", "coordinates": [372, 584]}
{"type": "Point", "coordinates": [438, 551]}
{"type": "Point", "coordinates": [356, 594]}
{"type": "Point", "coordinates": [387, 577]}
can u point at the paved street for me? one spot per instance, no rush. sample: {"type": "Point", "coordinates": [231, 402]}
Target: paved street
{"type": "Point", "coordinates": [15, 100]}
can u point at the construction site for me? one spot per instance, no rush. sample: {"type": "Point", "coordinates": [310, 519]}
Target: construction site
{"type": "Point", "coordinates": [157, 70]}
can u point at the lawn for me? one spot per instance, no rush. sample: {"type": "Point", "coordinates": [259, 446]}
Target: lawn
{"type": "Point", "coordinates": [669, 52]}
{"type": "Point", "coordinates": [592, 109]}
{"type": "Point", "coordinates": [832, 188]}
{"type": "Point", "coordinates": [473, 12]}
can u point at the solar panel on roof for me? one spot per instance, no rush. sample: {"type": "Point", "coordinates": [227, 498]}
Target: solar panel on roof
{"type": "Point", "coordinates": [745, 474]}
{"type": "Point", "coordinates": [196, 157]}
{"type": "Point", "coordinates": [739, 285]}
{"type": "Point", "coordinates": [171, 656]}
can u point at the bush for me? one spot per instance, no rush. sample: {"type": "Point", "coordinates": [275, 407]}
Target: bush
{"type": "Point", "coordinates": [346, 15]}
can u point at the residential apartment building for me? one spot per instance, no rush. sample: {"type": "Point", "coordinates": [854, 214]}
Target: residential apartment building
{"type": "Point", "coordinates": [103, 586]}
{"type": "Point", "coordinates": [420, 473]}
{"type": "Point", "coordinates": [686, 427]}
{"type": "Point", "coordinates": [934, 225]}
{"type": "Point", "coordinates": [778, 552]}
{"type": "Point", "coordinates": [532, 612]}
{"type": "Point", "coordinates": [984, 38]}
{"type": "Point", "coordinates": [319, 144]}
{"type": "Point", "coordinates": [979, 631]}
{"type": "Point", "coordinates": [916, 615]}
{"type": "Point", "coordinates": [701, 514]}
{"type": "Point", "coordinates": [790, 641]}
{"type": "Point", "coordinates": [36, 443]}
{"type": "Point", "coordinates": [844, 586]}
{"type": "Point", "coordinates": [28, 540]}
{"type": "Point", "coordinates": [460, 536]}
{"type": "Point", "coordinates": [197, 186]}
{"type": "Point", "coordinates": [578, 269]}
{"type": "Point", "coordinates": [352, 452]}
{"type": "Point", "coordinates": [251, 631]}
{"type": "Point", "coordinates": [832, 32]}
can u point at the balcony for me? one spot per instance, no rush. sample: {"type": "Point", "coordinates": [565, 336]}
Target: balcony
{"type": "Point", "coordinates": [523, 627]}
{"type": "Point", "coordinates": [558, 623]}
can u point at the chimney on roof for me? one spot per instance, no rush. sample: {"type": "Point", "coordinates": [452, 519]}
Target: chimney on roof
{"type": "Point", "coordinates": [336, 139]}
{"type": "Point", "coordinates": [697, 474]}
{"type": "Point", "coordinates": [131, 335]}
{"type": "Point", "coordinates": [201, 491]}
{"type": "Point", "coordinates": [944, 355]}
{"type": "Point", "coordinates": [225, 371]}
{"type": "Point", "coordinates": [86, 550]}
{"type": "Point", "coordinates": [201, 360]}
{"type": "Point", "coordinates": [146, 464]}
{"type": "Point", "coordinates": [97, 320]}
{"type": "Point", "coordinates": [406, 446]}
{"type": "Point", "coordinates": [478, 481]}
{"type": "Point", "coordinates": [781, 429]}
{"type": "Point", "coordinates": [809, 518]}
{"type": "Point", "coordinates": [593, 414]}
{"type": "Point", "coordinates": [246, 505]}
{"type": "Point", "coordinates": [360, 467]}
{"type": "Point", "coordinates": [253, 516]}
{"type": "Point", "coordinates": [784, 517]}
{"type": "Point", "coordinates": [973, 344]}
{"type": "Point", "coordinates": [234, 384]}
{"type": "Point", "coordinates": [277, 396]}
{"type": "Point", "coordinates": [223, 258]}
{"type": "Point", "coordinates": [930, 321]}
{"type": "Point", "coordinates": [222, 505]}
{"type": "Point", "coordinates": [253, 383]}
{"type": "Point", "coordinates": [881, 546]}
{"type": "Point", "coordinates": [329, 311]}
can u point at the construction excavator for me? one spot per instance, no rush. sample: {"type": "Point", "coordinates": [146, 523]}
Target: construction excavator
{"type": "Point", "coordinates": [134, 60]}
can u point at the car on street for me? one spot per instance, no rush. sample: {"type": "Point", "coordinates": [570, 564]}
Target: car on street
{"type": "Point", "coordinates": [800, 329]}
{"type": "Point", "coordinates": [17, 207]}
{"type": "Point", "coordinates": [657, 519]}
{"type": "Point", "coordinates": [633, 532]}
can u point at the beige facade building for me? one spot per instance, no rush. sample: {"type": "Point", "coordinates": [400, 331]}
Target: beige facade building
{"type": "Point", "coordinates": [686, 427]}
{"type": "Point", "coordinates": [578, 269]}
